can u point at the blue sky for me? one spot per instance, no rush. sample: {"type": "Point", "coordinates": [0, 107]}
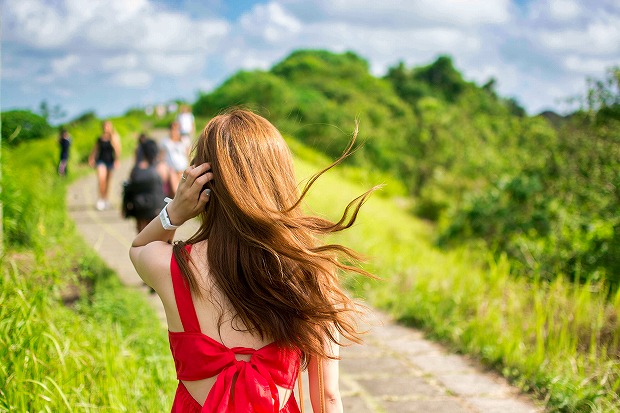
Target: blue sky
{"type": "Point", "coordinates": [109, 55]}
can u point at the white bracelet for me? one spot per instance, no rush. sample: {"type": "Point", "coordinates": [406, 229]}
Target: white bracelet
{"type": "Point", "coordinates": [165, 219]}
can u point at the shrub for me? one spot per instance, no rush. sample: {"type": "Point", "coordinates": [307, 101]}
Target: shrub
{"type": "Point", "coordinates": [22, 125]}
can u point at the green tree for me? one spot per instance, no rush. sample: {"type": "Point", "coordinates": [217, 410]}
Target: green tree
{"type": "Point", "coordinates": [51, 113]}
{"type": "Point", "coordinates": [603, 95]}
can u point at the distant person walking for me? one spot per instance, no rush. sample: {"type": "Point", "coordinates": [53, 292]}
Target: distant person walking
{"type": "Point", "coordinates": [105, 157]}
{"type": "Point", "coordinates": [158, 164]}
{"type": "Point", "coordinates": [175, 153]}
{"type": "Point", "coordinates": [143, 194]}
{"type": "Point", "coordinates": [64, 141]}
{"type": "Point", "coordinates": [139, 153]}
{"type": "Point", "coordinates": [187, 123]}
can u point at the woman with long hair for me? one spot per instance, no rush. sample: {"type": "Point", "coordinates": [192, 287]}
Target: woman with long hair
{"type": "Point", "coordinates": [253, 296]}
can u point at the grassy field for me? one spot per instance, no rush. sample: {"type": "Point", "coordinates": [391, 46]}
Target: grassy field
{"type": "Point", "coordinates": [558, 340]}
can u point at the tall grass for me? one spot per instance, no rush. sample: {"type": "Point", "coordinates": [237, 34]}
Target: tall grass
{"type": "Point", "coordinates": [557, 339]}
{"type": "Point", "coordinates": [104, 352]}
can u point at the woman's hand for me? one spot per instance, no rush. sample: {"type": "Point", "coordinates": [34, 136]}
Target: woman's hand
{"type": "Point", "coordinates": [190, 199]}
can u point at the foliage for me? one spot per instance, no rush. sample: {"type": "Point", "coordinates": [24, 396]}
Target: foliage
{"type": "Point", "coordinates": [102, 352]}
{"type": "Point", "coordinates": [105, 352]}
{"type": "Point", "coordinates": [556, 339]}
{"type": "Point", "coordinates": [83, 117]}
{"type": "Point", "coordinates": [25, 201]}
{"type": "Point", "coordinates": [27, 205]}
{"type": "Point", "coordinates": [541, 192]}
{"type": "Point", "coordinates": [603, 96]}
{"type": "Point", "coordinates": [440, 78]}
{"type": "Point", "coordinates": [51, 113]}
{"type": "Point", "coordinates": [558, 215]}
{"type": "Point", "coordinates": [22, 125]}
{"type": "Point", "coordinates": [316, 97]}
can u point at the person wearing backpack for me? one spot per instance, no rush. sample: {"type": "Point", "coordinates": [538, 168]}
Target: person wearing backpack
{"type": "Point", "coordinates": [143, 196]}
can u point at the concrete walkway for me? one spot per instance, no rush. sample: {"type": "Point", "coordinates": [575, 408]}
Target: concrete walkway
{"type": "Point", "coordinates": [395, 371]}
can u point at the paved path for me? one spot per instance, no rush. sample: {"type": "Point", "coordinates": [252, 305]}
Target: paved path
{"type": "Point", "coordinates": [395, 371]}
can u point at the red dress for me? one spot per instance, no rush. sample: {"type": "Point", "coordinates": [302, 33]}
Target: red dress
{"type": "Point", "coordinates": [198, 356]}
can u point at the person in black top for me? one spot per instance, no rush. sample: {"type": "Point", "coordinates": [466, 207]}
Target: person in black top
{"type": "Point", "coordinates": [105, 157]}
{"type": "Point", "coordinates": [64, 140]}
{"type": "Point", "coordinates": [143, 196]}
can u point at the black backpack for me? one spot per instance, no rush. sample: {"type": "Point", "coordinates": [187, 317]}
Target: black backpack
{"type": "Point", "coordinates": [141, 199]}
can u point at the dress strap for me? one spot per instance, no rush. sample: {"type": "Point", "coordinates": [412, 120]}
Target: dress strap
{"type": "Point", "coordinates": [183, 297]}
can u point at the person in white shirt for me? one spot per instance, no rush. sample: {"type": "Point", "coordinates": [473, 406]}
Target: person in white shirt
{"type": "Point", "coordinates": [175, 153]}
{"type": "Point", "coordinates": [187, 123]}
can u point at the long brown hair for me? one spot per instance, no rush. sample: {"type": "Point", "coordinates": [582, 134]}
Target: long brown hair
{"type": "Point", "coordinates": [264, 254]}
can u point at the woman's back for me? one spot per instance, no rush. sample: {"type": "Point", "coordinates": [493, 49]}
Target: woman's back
{"type": "Point", "coordinates": [215, 356]}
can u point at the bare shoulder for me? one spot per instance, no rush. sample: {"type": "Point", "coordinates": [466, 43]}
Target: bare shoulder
{"type": "Point", "coordinates": [200, 266]}
{"type": "Point", "coordinates": [199, 257]}
{"type": "Point", "coordinates": [152, 262]}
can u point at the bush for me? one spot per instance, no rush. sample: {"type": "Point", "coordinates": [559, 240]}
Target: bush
{"type": "Point", "coordinates": [22, 125]}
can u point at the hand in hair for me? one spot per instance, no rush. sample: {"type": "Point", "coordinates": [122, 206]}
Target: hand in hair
{"type": "Point", "coordinates": [190, 198]}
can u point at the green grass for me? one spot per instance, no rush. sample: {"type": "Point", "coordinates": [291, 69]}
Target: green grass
{"type": "Point", "coordinates": [555, 339]}
{"type": "Point", "coordinates": [108, 350]}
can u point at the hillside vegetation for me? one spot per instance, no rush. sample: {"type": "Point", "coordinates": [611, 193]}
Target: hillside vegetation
{"type": "Point", "coordinates": [544, 194]}
{"type": "Point", "coordinates": [72, 338]}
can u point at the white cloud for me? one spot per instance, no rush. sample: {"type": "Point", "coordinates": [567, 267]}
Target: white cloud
{"type": "Point", "coordinates": [398, 13]}
{"type": "Point", "coordinates": [174, 64]}
{"type": "Point", "coordinates": [537, 49]}
{"type": "Point", "coordinates": [64, 92]}
{"type": "Point", "coordinates": [64, 65]}
{"type": "Point", "coordinates": [272, 30]}
{"type": "Point", "coordinates": [601, 36]}
{"type": "Point", "coordinates": [587, 65]}
{"type": "Point", "coordinates": [241, 58]}
{"type": "Point", "coordinates": [120, 62]}
{"type": "Point", "coordinates": [105, 27]}
{"type": "Point", "coordinates": [564, 9]}
{"type": "Point", "coordinates": [271, 22]}
{"type": "Point", "coordinates": [45, 79]}
{"type": "Point", "coordinates": [36, 24]}
{"type": "Point", "coordinates": [132, 79]}
{"type": "Point", "coordinates": [461, 12]}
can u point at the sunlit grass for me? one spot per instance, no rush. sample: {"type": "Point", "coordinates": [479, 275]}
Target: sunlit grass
{"type": "Point", "coordinates": [556, 339]}
{"type": "Point", "coordinates": [107, 351]}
